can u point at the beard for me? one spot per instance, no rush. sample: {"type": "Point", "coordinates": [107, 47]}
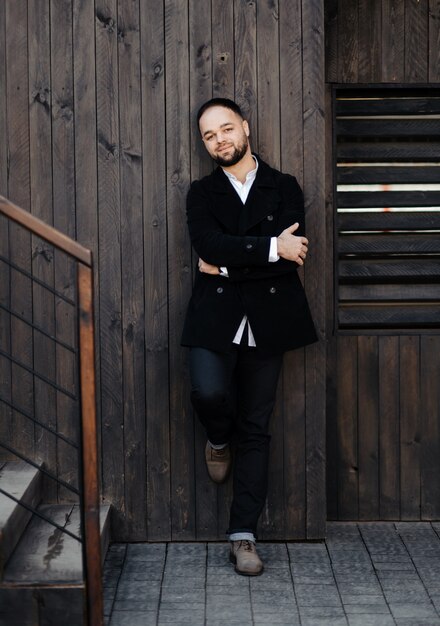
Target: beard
{"type": "Point", "coordinates": [235, 157]}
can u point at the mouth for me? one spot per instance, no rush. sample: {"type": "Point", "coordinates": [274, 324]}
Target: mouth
{"type": "Point", "coordinates": [224, 149]}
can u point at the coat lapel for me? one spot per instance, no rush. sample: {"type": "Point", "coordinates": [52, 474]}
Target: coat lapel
{"type": "Point", "coordinates": [227, 205]}
{"type": "Point", "coordinates": [263, 199]}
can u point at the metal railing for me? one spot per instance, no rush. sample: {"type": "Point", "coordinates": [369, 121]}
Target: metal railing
{"type": "Point", "coordinates": [84, 394]}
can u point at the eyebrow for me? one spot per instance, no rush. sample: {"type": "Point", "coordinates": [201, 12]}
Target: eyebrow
{"type": "Point", "coordinates": [221, 126]}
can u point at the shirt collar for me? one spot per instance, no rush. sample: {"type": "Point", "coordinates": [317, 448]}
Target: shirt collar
{"type": "Point", "coordinates": [249, 176]}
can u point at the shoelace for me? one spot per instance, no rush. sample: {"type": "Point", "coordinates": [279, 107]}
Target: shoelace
{"type": "Point", "coordinates": [246, 545]}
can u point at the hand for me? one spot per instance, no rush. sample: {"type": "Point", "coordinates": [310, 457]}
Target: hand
{"type": "Point", "coordinates": [291, 247]}
{"type": "Point", "coordinates": [206, 268]}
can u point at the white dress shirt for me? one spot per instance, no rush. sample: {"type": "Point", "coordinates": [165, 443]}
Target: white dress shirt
{"type": "Point", "coordinates": [243, 190]}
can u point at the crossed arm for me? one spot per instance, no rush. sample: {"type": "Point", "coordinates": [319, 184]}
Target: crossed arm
{"type": "Point", "coordinates": [289, 247]}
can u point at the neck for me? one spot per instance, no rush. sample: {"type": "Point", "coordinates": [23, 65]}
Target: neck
{"type": "Point", "coordinates": [241, 169]}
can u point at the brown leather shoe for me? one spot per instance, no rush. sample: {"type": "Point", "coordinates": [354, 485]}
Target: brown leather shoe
{"type": "Point", "coordinates": [218, 463]}
{"type": "Point", "coordinates": [244, 555]}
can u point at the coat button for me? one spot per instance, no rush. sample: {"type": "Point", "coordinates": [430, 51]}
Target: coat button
{"type": "Point", "coordinates": [219, 289]}
{"type": "Point", "coordinates": [272, 290]}
{"type": "Point", "coordinates": [249, 246]}
{"type": "Point", "coordinates": [270, 218]}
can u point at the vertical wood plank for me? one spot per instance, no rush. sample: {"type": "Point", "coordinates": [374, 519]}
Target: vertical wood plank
{"type": "Point", "coordinates": [331, 41]}
{"type": "Point", "coordinates": [294, 444]}
{"type": "Point", "coordinates": [133, 324]}
{"type": "Point", "coordinates": [393, 41]}
{"type": "Point", "coordinates": [370, 41]}
{"type": "Point", "coordinates": [63, 166]}
{"type": "Point", "coordinates": [389, 447]}
{"type": "Point", "coordinates": [368, 427]}
{"type": "Point", "coordinates": [416, 41]}
{"type": "Point", "coordinates": [410, 426]}
{"type": "Point", "coordinates": [245, 16]}
{"type": "Point", "coordinates": [109, 258]}
{"type": "Point", "coordinates": [6, 421]}
{"type": "Point", "coordinates": [348, 41]}
{"type": "Point", "coordinates": [223, 59]}
{"type": "Point", "coordinates": [17, 102]}
{"type": "Point", "coordinates": [348, 471]}
{"type": "Point", "coordinates": [430, 427]}
{"type": "Point", "coordinates": [155, 271]}
{"type": "Point", "coordinates": [291, 89]}
{"type": "Point", "coordinates": [179, 267]}
{"type": "Point", "coordinates": [434, 41]}
{"type": "Point", "coordinates": [268, 80]}
{"type": "Point", "coordinates": [40, 143]}
{"type": "Point", "coordinates": [314, 192]}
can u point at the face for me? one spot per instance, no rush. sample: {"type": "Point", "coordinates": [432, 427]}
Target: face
{"type": "Point", "coordinates": [225, 135]}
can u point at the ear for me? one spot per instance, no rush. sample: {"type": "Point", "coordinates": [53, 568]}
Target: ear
{"type": "Point", "coordinates": [246, 128]}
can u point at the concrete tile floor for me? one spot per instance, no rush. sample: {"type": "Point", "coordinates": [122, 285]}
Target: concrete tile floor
{"type": "Point", "coordinates": [364, 574]}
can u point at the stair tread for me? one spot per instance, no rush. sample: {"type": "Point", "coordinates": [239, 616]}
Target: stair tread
{"type": "Point", "coordinates": [15, 477]}
{"type": "Point", "coordinates": [45, 555]}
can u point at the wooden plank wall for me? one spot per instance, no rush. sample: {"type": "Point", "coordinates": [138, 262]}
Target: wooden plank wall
{"type": "Point", "coordinates": [383, 406]}
{"type": "Point", "coordinates": [97, 112]}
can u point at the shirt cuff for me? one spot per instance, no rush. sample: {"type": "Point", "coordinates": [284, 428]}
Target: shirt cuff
{"type": "Point", "coordinates": [273, 250]}
{"type": "Point", "coordinates": [224, 272]}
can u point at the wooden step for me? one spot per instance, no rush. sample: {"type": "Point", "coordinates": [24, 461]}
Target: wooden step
{"type": "Point", "coordinates": [23, 481]}
{"type": "Point", "coordinates": [42, 582]}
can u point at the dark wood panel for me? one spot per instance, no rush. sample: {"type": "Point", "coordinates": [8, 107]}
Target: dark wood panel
{"type": "Point", "coordinates": [179, 268]}
{"type": "Point", "coordinates": [392, 243]}
{"type": "Point", "coordinates": [389, 220]}
{"type": "Point", "coordinates": [314, 190]}
{"type": "Point", "coordinates": [390, 271]}
{"type": "Point", "coordinates": [434, 41]}
{"type": "Point", "coordinates": [361, 199]}
{"type": "Point", "coordinates": [19, 192]}
{"type": "Point", "coordinates": [246, 89]}
{"type": "Point", "coordinates": [429, 128]}
{"type": "Point", "coordinates": [393, 41]}
{"type": "Point", "coordinates": [406, 292]}
{"type": "Point", "coordinates": [430, 427]}
{"type": "Point", "coordinates": [347, 425]}
{"type": "Point", "coordinates": [409, 375]}
{"type": "Point", "coordinates": [157, 407]}
{"type": "Point", "coordinates": [63, 168]}
{"type": "Point", "coordinates": [223, 48]}
{"type": "Point", "coordinates": [392, 151]}
{"type": "Point", "coordinates": [42, 254]}
{"type": "Point", "coordinates": [389, 428]}
{"type": "Point", "coordinates": [370, 40]}
{"type": "Point", "coordinates": [348, 40]}
{"type": "Point", "coordinates": [132, 252]}
{"type": "Point", "coordinates": [404, 101]}
{"type": "Point", "coordinates": [390, 174]}
{"type": "Point", "coordinates": [416, 41]}
{"type": "Point", "coordinates": [291, 89]}
{"type": "Point", "coordinates": [368, 427]}
{"type": "Point", "coordinates": [384, 315]}
{"type": "Point", "coordinates": [108, 155]}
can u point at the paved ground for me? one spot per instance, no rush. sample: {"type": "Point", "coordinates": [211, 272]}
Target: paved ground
{"type": "Point", "coordinates": [372, 574]}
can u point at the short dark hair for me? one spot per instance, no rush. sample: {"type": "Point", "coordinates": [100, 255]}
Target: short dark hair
{"type": "Point", "coordinates": [219, 102]}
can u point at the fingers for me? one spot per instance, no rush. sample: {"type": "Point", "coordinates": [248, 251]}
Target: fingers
{"type": "Point", "coordinates": [293, 228]}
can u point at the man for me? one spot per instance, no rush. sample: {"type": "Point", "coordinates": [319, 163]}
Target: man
{"type": "Point", "coordinates": [246, 223]}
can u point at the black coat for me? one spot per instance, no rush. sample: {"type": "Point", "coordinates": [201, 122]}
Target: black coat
{"type": "Point", "coordinates": [224, 232]}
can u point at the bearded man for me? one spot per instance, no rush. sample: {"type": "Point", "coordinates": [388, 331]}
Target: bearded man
{"type": "Point", "coordinates": [246, 224]}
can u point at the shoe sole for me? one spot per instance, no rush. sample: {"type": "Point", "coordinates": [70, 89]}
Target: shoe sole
{"type": "Point", "coordinates": [233, 560]}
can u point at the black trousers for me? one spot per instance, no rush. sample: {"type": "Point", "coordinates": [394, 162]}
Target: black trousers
{"type": "Point", "coordinates": [233, 395]}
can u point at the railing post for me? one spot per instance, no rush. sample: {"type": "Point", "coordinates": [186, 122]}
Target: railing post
{"type": "Point", "coordinates": [91, 527]}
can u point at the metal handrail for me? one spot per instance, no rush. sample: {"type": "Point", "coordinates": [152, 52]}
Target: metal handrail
{"type": "Point", "coordinates": [91, 543]}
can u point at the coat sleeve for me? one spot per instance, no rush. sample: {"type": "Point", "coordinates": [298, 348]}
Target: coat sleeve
{"type": "Point", "coordinates": [291, 211]}
{"type": "Point", "coordinates": [213, 245]}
